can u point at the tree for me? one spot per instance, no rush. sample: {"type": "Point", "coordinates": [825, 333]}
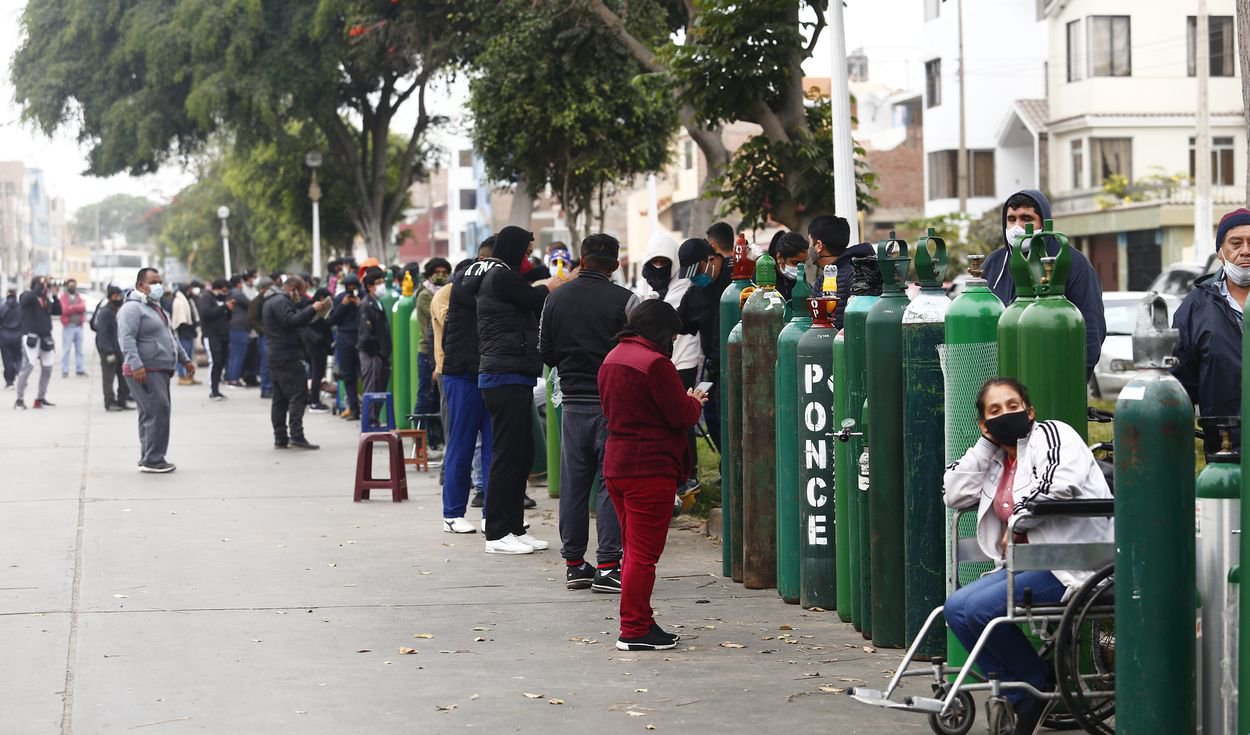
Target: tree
{"type": "Point", "coordinates": [147, 81]}
{"type": "Point", "coordinates": [134, 217]}
{"type": "Point", "coordinates": [556, 102]}
{"type": "Point", "coordinates": [743, 62]}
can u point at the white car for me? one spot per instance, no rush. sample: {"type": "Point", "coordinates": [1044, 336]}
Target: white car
{"type": "Point", "coordinates": [1120, 308]}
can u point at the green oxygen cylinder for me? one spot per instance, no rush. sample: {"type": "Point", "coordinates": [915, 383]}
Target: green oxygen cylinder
{"type": "Point", "coordinates": [818, 500]}
{"type": "Point", "coordinates": [865, 292]}
{"type": "Point", "coordinates": [1218, 509]}
{"type": "Point", "coordinates": [1051, 339]}
{"type": "Point", "coordinates": [924, 461]}
{"type": "Point", "coordinates": [970, 357]}
{"type": "Point", "coordinates": [403, 353]}
{"type": "Point", "coordinates": [761, 323]}
{"type": "Point", "coordinates": [1154, 536]}
{"type": "Point", "coordinates": [554, 414]}
{"type": "Point", "coordinates": [842, 482]}
{"type": "Point", "coordinates": [733, 438]}
{"type": "Point", "coordinates": [730, 458]}
{"type": "Point", "coordinates": [788, 445]}
{"type": "Point", "coordinates": [1243, 589]}
{"type": "Point", "coordinates": [885, 437]}
{"type": "Point", "coordinates": [1018, 255]}
{"type": "Point", "coordinates": [415, 334]}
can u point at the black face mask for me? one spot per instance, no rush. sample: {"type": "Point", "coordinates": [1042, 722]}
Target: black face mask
{"type": "Point", "coordinates": [658, 277]}
{"type": "Point", "coordinates": [115, 303]}
{"type": "Point", "coordinates": [1009, 428]}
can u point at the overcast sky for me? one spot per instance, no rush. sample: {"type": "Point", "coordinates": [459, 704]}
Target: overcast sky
{"type": "Point", "coordinates": [895, 22]}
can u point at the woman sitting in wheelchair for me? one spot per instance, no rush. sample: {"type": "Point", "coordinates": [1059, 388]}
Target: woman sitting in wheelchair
{"type": "Point", "coordinates": [1017, 461]}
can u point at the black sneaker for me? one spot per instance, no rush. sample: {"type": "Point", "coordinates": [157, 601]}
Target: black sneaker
{"type": "Point", "coordinates": [530, 502]}
{"type": "Point", "coordinates": [657, 630]}
{"type": "Point", "coordinates": [281, 443]}
{"type": "Point", "coordinates": [303, 443]}
{"type": "Point", "coordinates": [19, 404]}
{"type": "Point", "coordinates": [579, 577]}
{"type": "Point", "coordinates": [216, 396]}
{"type": "Point", "coordinates": [112, 407]}
{"type": "Point", "coordinates": [652, 641]}
{"type": "Point", "coordinates": [607, 580]}
{"type": "Point", "coordinates": [479, 499]}
{"type": "Point", "coordinates": [159, 467]}
{"type": "Point", "coordinates": [1030, 713]}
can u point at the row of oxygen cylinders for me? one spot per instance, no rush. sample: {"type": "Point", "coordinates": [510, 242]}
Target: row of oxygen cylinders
{"type": "Point", "coordinates": [836, 443]}
{"type": "Point", "coordinates": [402, 320]}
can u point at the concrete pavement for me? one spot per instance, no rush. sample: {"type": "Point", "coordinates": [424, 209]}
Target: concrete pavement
{"type": "Point", "coordinates": [246, 593]}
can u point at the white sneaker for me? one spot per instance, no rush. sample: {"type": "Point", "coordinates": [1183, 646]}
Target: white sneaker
{"type": "Point", "coordinates": [508, 545]}
{"type": "Point", "coordinates": [457, 525]}
{"type": "Point", "coordinates": [535, 544]}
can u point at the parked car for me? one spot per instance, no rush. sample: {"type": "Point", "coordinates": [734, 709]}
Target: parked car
{"type": "Point", "coordinates": [1120, 308]}
{"type": "Point", "coordinates": [1178, 279]}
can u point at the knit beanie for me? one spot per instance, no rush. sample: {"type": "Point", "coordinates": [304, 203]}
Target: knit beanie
{"type": "Point", "coordinates": [1235, 218]}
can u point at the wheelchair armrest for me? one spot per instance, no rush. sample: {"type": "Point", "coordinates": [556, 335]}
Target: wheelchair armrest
{"type": "Point", "coordinates": [1086, 507]}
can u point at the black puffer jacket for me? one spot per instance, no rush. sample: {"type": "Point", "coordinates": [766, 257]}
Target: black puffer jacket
{"type": "Point", "coordinates": [579, 327]}
{"type": "Point", "coordinates": [214, 316]}
{"type": "Point", "coordinates": [284, 325]}
{"type": "Point", "coordinates": [1209, 350]}
{"type": "Point", "coordinates": [460, 355]}
{"type": "Point", "coordinates": [508, 307]}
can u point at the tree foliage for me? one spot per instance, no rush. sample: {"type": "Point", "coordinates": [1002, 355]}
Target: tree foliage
{"type": "Point", "coordinates": [136, 218]}
{"type": "Point", "coordinates": [556, 102]}
{"type": "Point", "coordinates": [743, 62]}
{"type": "Point", "coordinates": [147, 81]}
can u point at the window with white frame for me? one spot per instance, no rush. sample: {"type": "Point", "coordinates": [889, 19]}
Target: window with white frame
{"type": "Point", "coordinates": [1221, 38]}
{"type": "Point", "coordinates": [1222, 149]}
{"type": "Point", "coordinates": [1078, 164]}
{"type": "Point", "coordinates": [1108, 43]}
{"type": "Point", "coordinates": [1076, 61]}
{"type": "Point", "coordinates": [933, 83]}
{"type": "Point", "coordinates": [1110, 157]}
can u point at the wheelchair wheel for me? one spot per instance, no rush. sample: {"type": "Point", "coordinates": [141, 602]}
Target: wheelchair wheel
{"type": "Point", "coordinates": [1085, 654]}
{"type": "Point", "coordinates": [1002, 718]}
{"type": "Point", "coordinates": [962, 714]}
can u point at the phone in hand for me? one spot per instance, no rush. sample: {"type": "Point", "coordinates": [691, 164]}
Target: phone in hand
{"type": "Point", "coordinates": [705, 387]}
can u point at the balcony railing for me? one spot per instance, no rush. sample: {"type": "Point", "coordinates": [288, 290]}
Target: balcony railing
{"type": "Point", "coordinates": [1094, 200]}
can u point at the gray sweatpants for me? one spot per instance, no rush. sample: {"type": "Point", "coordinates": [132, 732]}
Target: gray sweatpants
{"type": "Point", "coordinates": [32, 356]}
{"type": "Point", "coordinates": [583, 435]}
{"type": "Point", "coordinates": [152, 397]}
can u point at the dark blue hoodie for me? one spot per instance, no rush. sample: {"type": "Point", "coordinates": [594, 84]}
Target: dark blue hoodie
{"type": "Point", "coordinates": [1082, 287]}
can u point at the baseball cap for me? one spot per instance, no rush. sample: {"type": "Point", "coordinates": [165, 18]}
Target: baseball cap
{"type": "Point", "coordinates": [691, 254]}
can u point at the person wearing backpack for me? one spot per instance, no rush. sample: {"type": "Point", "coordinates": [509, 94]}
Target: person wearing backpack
{"type": "Point", "coordinates": [11, 337]}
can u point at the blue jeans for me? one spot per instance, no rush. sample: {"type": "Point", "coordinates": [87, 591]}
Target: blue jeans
{"type": "Point", "coordinates": [188, 346]}
{"type": "Point", "coordinates": [237, 354]}
{"type": "Point", "coordinates": [467, 420]}
{"type": "Point", "coordinates": [266, 382]}
{"type": "Point", "coordinates": [1007, 653]}
{"type": "Point", "coordinates": [71, 336]}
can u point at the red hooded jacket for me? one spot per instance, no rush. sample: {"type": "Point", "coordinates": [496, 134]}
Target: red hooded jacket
{"type": "Point", "coordinates": [648, 413]}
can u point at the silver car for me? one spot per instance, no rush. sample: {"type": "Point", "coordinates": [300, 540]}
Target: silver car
{"type": "Point", "coordinates": [1120, 308]}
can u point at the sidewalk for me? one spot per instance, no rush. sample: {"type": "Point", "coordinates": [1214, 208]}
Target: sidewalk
{"type": "Point", "coordinates": [246, 593]}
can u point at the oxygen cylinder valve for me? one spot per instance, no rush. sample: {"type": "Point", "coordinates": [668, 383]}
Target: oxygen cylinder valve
{"type": "Point", "coordinates": [1048, 263]}
{"type": "Point", "coordinates": [974, 265]}
{"type": "Point", "coordinates": [844, 435]}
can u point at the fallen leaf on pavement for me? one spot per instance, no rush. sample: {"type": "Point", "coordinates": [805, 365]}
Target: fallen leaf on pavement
{"type": "Point", "coordinates": [650, 727]}
{"type": "Point", "coordinates": [423, 635]}
{"type": "Point", "coordinates": [632, 713]}
{"type": "Point", "coordinates": [364, 650]}
{"type": "Point", "coordinates": [785, 627]}
{"type": "Point", "coordinates": [869, 649]}
{"type": "Point", "coordinates": [474, 697]}
{"type": "Point", "coordinates": [832, 690]}
{"type": "Point", "coordinates": [727, 644]}
{"type": "Point", "coordinates": [640, 691]}
{"type": "Point", "coordinates": [479, 639]}
{"type": "Point", "coordinates": [531, 695]}
{"type": "Point", "coordinates": [121, 597]}
{"type": "Point", "coordinates": [406, 650]}
{"type": "Point", "coordinates": [555, 701]}
{"type": "Point", "coordinates": [445, 707]}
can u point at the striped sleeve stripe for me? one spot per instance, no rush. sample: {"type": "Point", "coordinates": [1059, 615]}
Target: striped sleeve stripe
{"type": "Point", "coordinates": [1052, 464]}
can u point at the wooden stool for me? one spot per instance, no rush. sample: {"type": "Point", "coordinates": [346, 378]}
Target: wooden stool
{"type": "Point", "coordinates": [397, 481]}
{"type": "Point", "coordinates": [420, 454]}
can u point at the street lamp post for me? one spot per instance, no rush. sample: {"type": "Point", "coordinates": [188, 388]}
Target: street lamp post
{"type": "Point", "coordinates": [313, 161]}
{"type": "Point", "coordinates": [223, 213]}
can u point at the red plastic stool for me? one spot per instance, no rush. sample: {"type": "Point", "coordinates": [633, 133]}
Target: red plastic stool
{"type": "Point", "coordinates": [420, 456]}
{"type": "Point", "coordinates": [365, 481]}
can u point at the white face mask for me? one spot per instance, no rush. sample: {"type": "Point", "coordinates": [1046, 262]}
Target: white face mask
{"type": "Point", "coordinates": [1013, 232]}
{"type": "Point", "coordinates": [1237, 274]}
{"type": "Point", "coordinates": [791, 271]}
{"type": "Point", "coordinates": [156, 291]}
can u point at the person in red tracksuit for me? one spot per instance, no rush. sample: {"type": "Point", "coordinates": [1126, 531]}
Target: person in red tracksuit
{"type": "Point", "coordinates": [647, 456]}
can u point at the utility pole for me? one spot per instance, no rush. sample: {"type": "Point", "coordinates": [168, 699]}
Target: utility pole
{"type": "Point", "coordinates": [845, 201]}
{"type": "Point", "coordinates": [1243, 57]}
{"type": "Point", "coordinates": [1202, 139]}
{"type": "Point", "coordinates": [961, 166]}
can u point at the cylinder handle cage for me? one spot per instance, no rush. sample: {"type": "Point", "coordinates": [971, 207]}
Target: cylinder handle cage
{"type": "Point", "coordinates": [1049, 278]}
{"type": "Point", "coordinates": [893, 267]}
{"type": "Point", "coordinates": [1153, 339]}
{"type": "Point", "coordinates": [931, 269]}
{"type": "Point", "coordinates": [1019, 254]}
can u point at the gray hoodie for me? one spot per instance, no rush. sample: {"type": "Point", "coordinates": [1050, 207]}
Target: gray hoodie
{"type": "Point", "coordinates": [145, 335]}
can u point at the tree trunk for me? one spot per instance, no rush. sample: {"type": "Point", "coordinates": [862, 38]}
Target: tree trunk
{"type": "Point", "coordinates": [522, 212]}
{"type": "Point", "coordinates": [1243, 53]}
{"type": "Point", "coordinates": [716, 156]}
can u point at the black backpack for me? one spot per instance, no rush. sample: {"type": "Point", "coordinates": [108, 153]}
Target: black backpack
{"type": "Point", "coordinates": [96, 313]}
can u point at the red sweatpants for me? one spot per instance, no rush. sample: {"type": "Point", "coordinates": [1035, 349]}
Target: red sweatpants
{"type": "Point", "coordinates": [645, 507]}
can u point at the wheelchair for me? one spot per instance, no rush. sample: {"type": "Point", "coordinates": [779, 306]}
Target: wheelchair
{"type": "Point", "coordinates": [1077, 638]}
